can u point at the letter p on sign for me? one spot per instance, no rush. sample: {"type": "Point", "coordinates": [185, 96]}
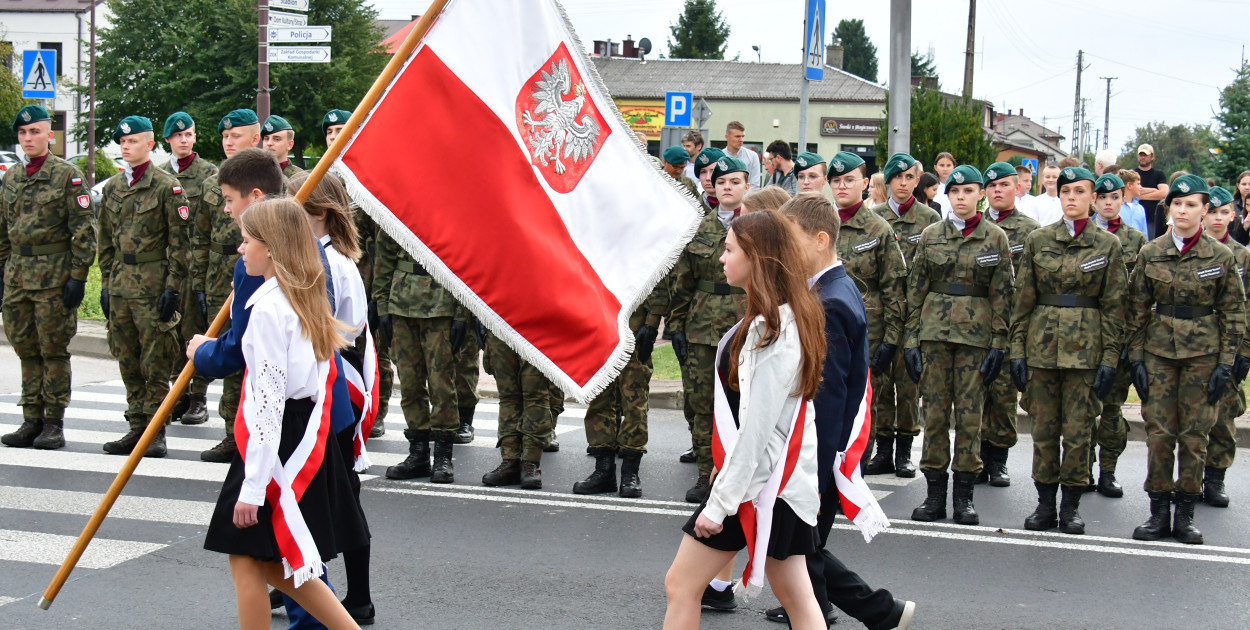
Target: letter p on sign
{"type": "Point", "coordinates": [677, 109]}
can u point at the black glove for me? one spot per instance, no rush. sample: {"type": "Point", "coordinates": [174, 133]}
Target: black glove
{"type": "Point", "coordinates": [914, 362]}
{"type": "Point", "coordinates": [479, 330]}
{"type": "Point", "coordinates": [386, 329]}
{"type": "Point", "coordinates": [992, 365]}
{"type": "Point", "coordinates": [373, 316]}
{"type": "Point", "coordinates": [104, 302]}
{"type": "Point", "coordinates": [201, 305]}
{"type": "Point", "coordinates": [1019, 373]}
{"type": "Point", "coordinates": [644, 342]}
{"type": "Point", "coordinates": [1, 284]}
{"type": "Point", "coordinates": [458, 331]}
{"type": "Point", "coordinates": [1141, 380]}
{"type": "Point", "coordinates": [1103, 381]}
{"type": "Point", "coordinates": [1221, 376]}
{"type": "Point", "coordinates": [167, 304]}
{"type": "Point", "coordinates": [679, 345]}
{"type": "Point", "coordinates": [73, 292]}
{"type": "Point", "coordinates": [1241, 367]}
{"type": "Point", "coordinates": [882, 357]}
{"type": "Point", "coordinates": [1124, 362]}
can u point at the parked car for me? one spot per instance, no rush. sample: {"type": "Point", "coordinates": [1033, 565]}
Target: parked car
{"type": "Point", "coordinates": [7, 159]}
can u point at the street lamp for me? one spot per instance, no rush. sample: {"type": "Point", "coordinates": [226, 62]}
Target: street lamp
{"type": "Point", "coordinates": [758, 58]}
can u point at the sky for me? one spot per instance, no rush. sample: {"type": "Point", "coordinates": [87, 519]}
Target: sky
{"type": "Point", "coordinates": [1170, 58]}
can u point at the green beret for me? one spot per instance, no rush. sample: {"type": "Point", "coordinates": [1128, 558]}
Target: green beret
{"type": "Point", "coordinates": [177, 121]}
{"type": "Point", "coordinates": [996, 171]}
{"type": "Point", "coordinates": [897, 163]}
{"type": "Point", "coordinates": [274, 123]}
{"type": "Point", "coordinates": [1074, 174]}
{"type": "Point", "coordinates": [806, 160]}
{"type": "Point", "coordinates": [131, 125]}
{"type": "Point", "coordinates": [1220, 196]}
{"type": "Point", "coordinates": [844, 162]}
{"type": "Point", "coordinates": [966, 174]}
{"type": "Point", "coordinates": [727, 165]}
{"type": "Point", "coordinates": [1186, 185]}
{"type": "Point", "coordinates": [1108, 183]}
{"type": "Point", "coordinates": [29, 114]}
{"type": "Point", "coordinates": [676, 155]}
{"type": "Point", "coordinates": [334, 117]}
{"type": "Point", "coordinates": [706, 158]}
{"type": "Point", "coordinates": [238, 118]}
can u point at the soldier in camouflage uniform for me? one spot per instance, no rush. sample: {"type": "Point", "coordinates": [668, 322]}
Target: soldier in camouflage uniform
{"type": "Point", "coordinates": [278, 137]}
{"type": "Point", "coordinates": [704, 307]}
{"type": "Point", "coordinates": [1111, 431]}
{"type": "Point", "coordinates": [143, 262]}
{"type": "Point", "coordinates": [467, 375]}
{"type": "Point", "coordinates": [894, 396]}
{"type": "Point", "coordinates": [1187, 309]}
{"type": "Point", "coordinates": [191, 171]}
{"type": "Point", "coordinates": [215, 239]}
{"type": "Point", "coordinates": [1222, 440]}
{"type": "Point", "coordinates": [674, 160]}
{"type": "Point", "coordinates": [1066, 326]}
{"type": "Point", "coordinates": [959, 295]}
{"type": "Point", "coordinates": [704, 192]}
{"type": "Point", "coordinates": [998, 423]}
{"type": "Point", "coordinates": [525, 417]}
{"type": "Point", "coordinates": [47, 245]}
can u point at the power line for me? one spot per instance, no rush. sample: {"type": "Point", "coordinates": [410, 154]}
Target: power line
{"type": "Point", "coordinates": [1166, 76]}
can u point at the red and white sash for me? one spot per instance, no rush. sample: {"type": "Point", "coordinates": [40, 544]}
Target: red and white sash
{"type": "Point", "coordinates": [362, 388]}
{"type": "Point", "coordinates": [300, 558]}
{"type": "Point", "coordinates": [858, 503]}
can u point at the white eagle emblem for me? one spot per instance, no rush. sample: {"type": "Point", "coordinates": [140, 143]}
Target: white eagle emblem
{"type": "Point", "coordinates": [1108, 185]}
{"type": "Point", "coordinates": [803, 162]}
{"type": "Point", "coordinates": [268, 126]}
{"type": "Point", "coordinates": [559, 133]}
{"type": "Point", "coordinates": [722, 165]}
{"type": "Point", "coordinates": [26, 116]}
{"type": "Point", "coordinates": [125, 127]}
{"type": "Point", "coordinates": [227, 123]}
{"type": "Point", "coordinates": [182, 125]}
{"type": "Point", "coordinates": [837, 165]}
{"type": "Point", "coordinates": [333, 117]}
{"type": "Point", "coordinates": [959, 178]}
{"type": "Point", "coordinates": [1068, 173]}
{"type": "Point", "coordinates": [1183, 186]}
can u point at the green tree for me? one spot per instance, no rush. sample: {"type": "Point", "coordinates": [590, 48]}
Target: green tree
{"type": "Point", "coordinates": [104, 167]}
{"type": "Point", "coordinates": [859, 54]}
{"type": "Point", "coordinates": [939, 123]}
{"type": "Point", "coordinates": [923, 65]}
{"type": "Point", "coordinates": [700, 32]}
{"type": "Point", "coordinates": [1234, 128]}
{"type": "Point", "coordinates": [1177, 147]}
{"type": "Point", "coordinates": [10, 97]}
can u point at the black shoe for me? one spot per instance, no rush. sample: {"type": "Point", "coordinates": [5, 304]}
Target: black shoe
{"type": "Point", "coordinates": [883, 462]}
{"type": "Point", "coordinates": [902, 458]}
{"type": "Point", "coordinates": [553, 446]}
{"type": "Point", "coordinates": [53, 436]}
{"type": "Point", "coordinates": [443, 470]}
{"type": "Point", "coordinates": [507, 473]}
{"type": "Point", "coordinates": [417, 464]}
{"type": "Point", "coordinates": [984, 476]}
{"type": "Point", "coordinates": [464, 435]}
{"type": "Point", "coordinates": [1046, 516]}
{"type": "Point", "coordinates": [222, 453]}
{"type": "Point", "coordinates": [719, 600]}
{"type": "Point", "coordinates": [126, 444]}
{"type": "Point", "coordinates": [1183, 529]}
{"type": "Point", "coordinates": [996, 465]}
{"type": "Point", "coordinates": [362, 614]}
{"type": "Point", "coordinates": [1213, 492]}
{"type": "Point", "coordinates": [378, 430]}
{"type": "Point", "coordinates": [603, 479]}
{"type": "Point", "coordinates": [197, 410]}
{"type": "Point", "coordinates": [531, 476]}
{"type": "Point", "coordinates": [1108, 486]}
{"type": "Point", "coordinates": [180, 407]}
{"type": "Point", "coordinates": [779, 615]}
{"type": "Point", "coordinates": [631, 485]}
{"type": "Point", "coordinates": [934, 506]}
{"type": "Point", "coordinates": [1070, 521]}
{"type": "Point", "coordinates": [24, 436]}
{"type": "Point", "coordinates": [688, 457]}
{"type": "Point", "coordinates": [275, 599]}
{"type": "Point", "coordinates": [900, 618]}
{"type": "Point", "coordinates": [698, 492]}
{"type": "Point", "coordinates": [962, 510]}
{"type": "Point", "coordinates": [157, 447]}
{"type": "Point", "coordinates": [1158, 526]}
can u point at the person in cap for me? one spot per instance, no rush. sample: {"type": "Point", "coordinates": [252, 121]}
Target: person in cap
{"type": "Point", "coordinates": [215, 250]}
{"type": "Point", "coordinates": [278, 137]}
{"type": "Point", "coordinates": [1066, 327]}
{"type": "Point", "coordinates": [1222, 440]}
{"type": "Point", "coordinates": [1154, 188]}
{"type": "Point", "coordinates": [959, 294]}
{"type": "Point", "coordinates": [333, 122]}
{"type": "Point", "coordinates": [674, 160]}
{"type": "Point", "coordinates": [895, 397]}
{"type": "Point", "coordinates": [998, 425]}
{"type": "Point", "coordinates": [191, 170]}
{"type": "Point", "coordinates": [143, 264]}
{"type": "Point", "coordinates": [809, 172]}
{"type": "Point", "coordinates": [1111, 432]}
{"type": "Point", "coordinates": [704, 306]}
{"type": "Point", "coordinates": [47, 245]}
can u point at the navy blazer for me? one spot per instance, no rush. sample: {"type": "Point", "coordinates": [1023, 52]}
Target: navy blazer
{"type": "Point", "coordinates": [844, 376]}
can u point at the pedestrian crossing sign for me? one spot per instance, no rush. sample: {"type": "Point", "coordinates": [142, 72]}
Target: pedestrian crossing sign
{"type": "Point", "coordinates": [39, 74]}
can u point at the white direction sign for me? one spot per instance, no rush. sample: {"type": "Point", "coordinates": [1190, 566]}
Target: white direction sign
{"type": "Point", "coordinates": [280, 18]}
{"type": "Point", "coordinates": [289, 5]}
{"type": "Point", "coordinates": [299, 54]}
{"type": "Point", "coordinates": [298, 34]}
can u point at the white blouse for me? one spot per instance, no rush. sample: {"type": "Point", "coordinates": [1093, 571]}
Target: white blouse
{"type": "Point", "coordinates": [351, 306]}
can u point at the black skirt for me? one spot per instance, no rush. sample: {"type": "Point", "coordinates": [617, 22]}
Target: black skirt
{"type": "Point", "coordinates": [790, 536]}
{"type": "Point", "coordinates": [329, 507]}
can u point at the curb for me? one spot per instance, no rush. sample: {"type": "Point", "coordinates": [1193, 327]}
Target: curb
{"type": "Point", "coordinates": [91, 340]}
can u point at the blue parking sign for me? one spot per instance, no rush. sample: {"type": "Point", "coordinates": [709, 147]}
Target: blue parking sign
{"type": "Point", "coordinates": [678, 109]}
{"type": "Point", "coordinates": [39, 74]}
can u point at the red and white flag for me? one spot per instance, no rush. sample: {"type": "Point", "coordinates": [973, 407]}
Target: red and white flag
{"type": "Point", "coordinates": [499, 161]}
{"type": "Point", "coordinates": [858, 503]}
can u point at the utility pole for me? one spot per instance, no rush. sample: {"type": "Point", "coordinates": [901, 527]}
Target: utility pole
{"type": "Point", "coordinates": [1106, 122]}
{"type": "Point", "coordinates": [900, 77]}
{"type": "Point", "coordinates": [90, 170]}
{"type": "Point", "coordinates": [1084, 130]}
{"type": "Point", "coordinates": [969, 54]}
{"type": "Point", "coordinates": [1076, 105]}
{"type": "Point", "coordinates": [262, 58]}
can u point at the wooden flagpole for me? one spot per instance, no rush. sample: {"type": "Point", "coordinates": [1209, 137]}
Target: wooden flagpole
{"type": "Point", "coordinates": [157, 423]}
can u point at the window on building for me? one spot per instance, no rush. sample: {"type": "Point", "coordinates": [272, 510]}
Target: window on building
{"type": "Point", "coordinates": [59, 61]}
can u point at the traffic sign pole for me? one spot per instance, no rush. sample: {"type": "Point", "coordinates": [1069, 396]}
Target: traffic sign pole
{"type": "Point", "coordinates": [262, 65]}
{"type": "Point", "coordinates": [813, 60]}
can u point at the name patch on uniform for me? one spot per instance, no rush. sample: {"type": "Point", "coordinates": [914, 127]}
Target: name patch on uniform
{"type": "Point", "coordinates": [1097, 262]}
{"type": "Point", "coordinates": [1017, 248]}
{"type": "Point", "coordinates": [75, 181]}
{"type": "Point", "coordinates": [914, 238]}
{"type": "Point", "coordinates": [1214, 271]}
{"type": "Point", "coordinates": [177, 189]}
{"type": "Point", "coordinates": [184, 212]}
{"type": "Point", "coordinates": [84, 201]}
{"type": "Point", "coordinates": [989, 260]}
{"type": "Point", "coordinates": [866, 245]}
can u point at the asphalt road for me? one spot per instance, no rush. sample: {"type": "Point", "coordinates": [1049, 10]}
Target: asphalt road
{"type": "Point", "coordinates": [465, 556]}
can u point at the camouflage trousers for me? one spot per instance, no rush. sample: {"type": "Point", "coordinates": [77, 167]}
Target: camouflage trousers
{"type": "Point", "coordinates": [1064, 407]}
{"type": "Point", "coordinates": [557, 403]}
{"type": "Point", "coordinates": [1178, 420]}
{"type": "Point", "coordinates": [701, 369]}
{"type": "Point", "coordinates": [386, 375]}
{"type": "Point", "coordinates": [146, 350]}
{"type": "Point", "coordinates": [39, 328]}
{"type": "Point", "coordinates": [1222, 441]}
{"type": "Point", "coordinates": [231, 386]}
{"type": "Point", "coordinates": [525, 416]}
{"type": "Point", "coordinates": [951, 380]}
{"type": "Point", "coordinates": [1111, 431]}
{"type": "Point", "coordinates": [687, 391]}
{"type": "Point", "coordinates": [427, 374]}
{"type": "Point", "coordinates": [998, 424]}
{"type": "Point", "coordinates": [895, 401]}
{"type": "Point", "coordinates": [467, 372]}
{"type": "Point", "coordinates": [617, 417]}
{"type": "Point", "coordinates": [192, 325]}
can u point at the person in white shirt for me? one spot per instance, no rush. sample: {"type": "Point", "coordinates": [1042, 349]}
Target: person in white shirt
{"type": "Point", "coordinates": [943, 164]}
{"type": "Point", "coordinates": [692, 141]}
{"type": "Point", "coordinates": [1026, 201]}
{"type": "Point", "coordinates": [735, 134]}
{"type": "Point", "coordinates": [1046, 207]}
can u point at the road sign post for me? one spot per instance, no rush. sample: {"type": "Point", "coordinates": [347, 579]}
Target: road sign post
{"type": "Point", "coordinates": [39, 74]}
{"type": "Point", "coordinates": [677, 109]}
{"type": "Point", "coordinates": [813, 59]}
{"type": "Point", "coordinates": [701, 113]}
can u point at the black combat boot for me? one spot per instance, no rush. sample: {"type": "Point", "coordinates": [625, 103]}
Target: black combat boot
{"type": "Point", "coordinates": [444, 471]}
{"type": "Point", "coordinates": [197, 410]}
{"type": "Point", "coordinates": [507, 473]}
{"type": "Point", "coordinates": [883, 462]}
{"type": "Point", "coordinates": [180, 407]}
{"type": "Point", "coordinates": [603, 479]}
{"type": "Point", "coordinates": [157, 447]}
{"type": "Point", "coordinates": [417, 464]}
{"type": "Point", "coordinates": [996, 465]}
{"type": "Point", "coordinates": [934, 506]}
{"type": "Point", "coordinates": [1070, 521]}
{"type": "Point", "coordinates": [984, 477]}
{"type": "Point", "coordinates": [698, 492]}
{"type": "Point", "coordinates": [1183, 529]}
{"type": "Point", "coordinates": [25, 435]}
{"type": "Point", "coordinates": [1046, 516]}
{"type": "Point", "coordinates": [962, 510]}
{"type": "Point", "coordinates": [379, 427]}
{"type": "Point", "coordinates": [902, 458]}
{"type": "Point", "coordinates": [1157, 526]}
{"type": "Point", "coordinates": [53, 436]}
{"type": "Point", "coordinates": [531, 476]}
{"type": "Point", "coordinates": [126, 443]}
{"type": "Point", "coordinates": [465, 434]}
{"type": "Point", "coordinates": [631, 485]}
{"type": "Point", "coordinates": [220, 454]}
{"type": "Point", "coordinates": [1108, 486]}
{"type": "Point", "coordinates": [688, 457]}
{"type": "Point", "coordinates": [1213, 493]}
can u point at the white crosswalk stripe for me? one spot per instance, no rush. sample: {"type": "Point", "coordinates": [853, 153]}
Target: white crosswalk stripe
{"type": "Point", "coordinates": [39, 548]}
